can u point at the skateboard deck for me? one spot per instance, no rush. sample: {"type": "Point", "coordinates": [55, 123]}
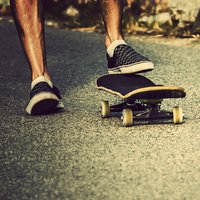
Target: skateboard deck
{"type": "Point", "coordinates": [141, 97]}
{"type": "Point", "coordinates": [137, 86]}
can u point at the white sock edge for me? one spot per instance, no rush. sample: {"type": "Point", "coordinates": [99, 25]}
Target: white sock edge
{"type": "Point", "coordinates": [41, 79]}
{"type": "Point", "coordinates": [113, 45]}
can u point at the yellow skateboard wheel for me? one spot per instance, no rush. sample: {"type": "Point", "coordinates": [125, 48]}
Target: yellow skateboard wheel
{"type": "Point", "coordinates": [127, 117]}
{"type": "Point", "coordinates": [177, 115]}
{"type": "Point", "coordinates": [105, 109]}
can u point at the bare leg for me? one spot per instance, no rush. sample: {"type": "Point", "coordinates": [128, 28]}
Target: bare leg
{"type": "Point", "coordinates": [112, 13]}
{"type": "Point", "coordinates": [29, 19]}
{"type": "Point", "coordinates": [122, 59]}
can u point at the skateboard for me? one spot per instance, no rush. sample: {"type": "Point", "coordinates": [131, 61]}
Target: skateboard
{"type": "Point", "coordinates": [141, 98]}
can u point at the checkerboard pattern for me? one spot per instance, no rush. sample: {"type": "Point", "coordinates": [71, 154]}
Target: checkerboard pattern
{"type": "Point", "coordinates": [125, 56]}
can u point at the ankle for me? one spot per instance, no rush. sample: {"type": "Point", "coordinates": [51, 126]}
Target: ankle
{"type": "Point", "coordinates": [45, 74]}
{"type": "Point", "coordinates": [41, 79]}
{"type": "Point", "coordinates": [110, 39]}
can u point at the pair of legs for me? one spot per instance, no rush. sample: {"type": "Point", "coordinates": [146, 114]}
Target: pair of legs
{"type": "Point", "coordinates": [29, 19]}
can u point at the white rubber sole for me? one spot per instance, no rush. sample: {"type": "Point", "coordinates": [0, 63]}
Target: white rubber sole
{"type": "Point", "coordinates": [60, 104]}
{"type": "Point", "coordinates": [130, 69]}
{"type": "Point", "coordinates": [42, 103]}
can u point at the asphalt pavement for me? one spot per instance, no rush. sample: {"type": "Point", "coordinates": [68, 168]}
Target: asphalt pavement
{"type": "Point", "coordinates": [78, 155]}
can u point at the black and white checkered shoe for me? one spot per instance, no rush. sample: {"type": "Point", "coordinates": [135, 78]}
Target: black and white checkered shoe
{"type": "Point", "coordinates": [44, 100]}
{"type": "Point", "coordinates": [126, 60]}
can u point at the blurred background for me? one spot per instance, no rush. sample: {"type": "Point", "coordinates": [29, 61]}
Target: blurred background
{"type": "Point", "coordinates": [175, 18]}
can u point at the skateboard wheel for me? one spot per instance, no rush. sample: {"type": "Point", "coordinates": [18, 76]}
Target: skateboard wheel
{"type": "Point", "coordinates": [127, 117]}
{"type": "Point", "coordinates": [105, 109]}
{"type": "Point", "coordinates": [177, 115]}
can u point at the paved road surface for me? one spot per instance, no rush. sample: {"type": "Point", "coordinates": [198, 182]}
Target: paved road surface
{"type": "Point", "coordinates": [78, 155]}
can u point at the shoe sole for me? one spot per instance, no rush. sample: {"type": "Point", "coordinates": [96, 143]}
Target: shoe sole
{"type": "Point", "coordinates": [130, 69]}
{"type": "Point", "coordinates": [42, 103]}
{"type": "Point", "coordinates": [60, 105]}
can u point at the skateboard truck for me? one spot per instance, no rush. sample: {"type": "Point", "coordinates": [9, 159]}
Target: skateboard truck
{"type": "Point", "coordinates": [141, 110]}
